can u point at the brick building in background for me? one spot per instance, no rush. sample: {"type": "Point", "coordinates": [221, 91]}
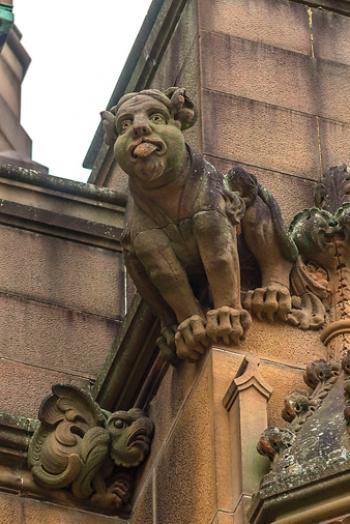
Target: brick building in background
{"type": "Point", "coordinates": [271, 81]}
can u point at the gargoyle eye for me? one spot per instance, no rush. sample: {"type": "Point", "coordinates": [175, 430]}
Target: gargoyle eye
{"type": "Point", "coordinates": [119, 423]}
{"type": "Point", "coordinates": [157, 118]}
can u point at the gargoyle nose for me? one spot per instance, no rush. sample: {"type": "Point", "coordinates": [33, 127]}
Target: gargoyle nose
{"type": "Point", "coordinates": [333, 223]}
{"type": "Point", "coordinates": [141, 129]}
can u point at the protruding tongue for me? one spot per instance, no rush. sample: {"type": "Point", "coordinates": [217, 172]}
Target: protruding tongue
{"type": "Point", "coordinates": [144, 150]}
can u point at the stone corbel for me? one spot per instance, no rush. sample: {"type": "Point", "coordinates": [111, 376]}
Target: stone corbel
{"type": "Point", "coordinates": [246, 402]}
{"type": "Point", "coordinates": [89, 453]}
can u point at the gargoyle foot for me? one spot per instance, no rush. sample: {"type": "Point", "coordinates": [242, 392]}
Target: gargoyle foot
{"type": "Point", "coordinates": [116, 495]}
{"type": "Point", "coordinates": [271, 303]}
{"type": "Point", "coordinates": [166, 344]}
{"type": "Point", "coordinates": [307, 312]}
{"type": "Point", "coordinates": [227, 325]}
{"type": "Point", "coordinates": [191, 338]}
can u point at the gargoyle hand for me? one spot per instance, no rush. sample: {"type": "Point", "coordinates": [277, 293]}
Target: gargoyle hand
{"type": "Point", "coordinates": [271, 303]}
{"type": "Point", "coordinates": [227, 325]}
{"type": "Point", "coordinates": [191, 338]}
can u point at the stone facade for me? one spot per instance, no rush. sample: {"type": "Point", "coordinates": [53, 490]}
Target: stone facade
{"type": "Point", "coordinates": [270, 80]}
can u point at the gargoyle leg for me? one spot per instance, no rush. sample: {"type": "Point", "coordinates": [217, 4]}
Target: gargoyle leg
{"type": "Point", "coordinates": [148, 290]}
{"type": "Point", "coordinates": [261, 238]}
{"type": "Point", "coordinates": [216, 239]}
{"type": "Point", "coordinates": [272, 300]}
{"type": "Point", "coordinates": [163, 268]}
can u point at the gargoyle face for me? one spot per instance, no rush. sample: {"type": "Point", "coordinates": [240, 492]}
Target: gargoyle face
{"type": "Point", "coordinates": [314, 231]}
{"type": "Point", "coordinates": [131, 434]}
{"type": "Point", "coordinates": [150, 144]}
{"type": "Point", "coordinates": [296, 404]}
{"type": "Point", "coordinates": [275, 440]}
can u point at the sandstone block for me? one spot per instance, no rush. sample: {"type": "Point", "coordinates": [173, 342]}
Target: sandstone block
{"type": "Point", "coordinates": [54, 337]}
{"type": "Point", "coordinates": [262, 135]}
{"type": "Point", "coordinates": [260, 72]}
{"type": "Point", "coordinates": [59, 271]}
{"type": "Point", "coordinates": [331, 35]}
{"type": "Point", "coordinates": [334, 90]}
{"type": "Point", "coordinates": [274, 22]}
{"type": "Point", "coordinates": [335, 140]}
{"type": "Point", "coordinates": [23, 387]}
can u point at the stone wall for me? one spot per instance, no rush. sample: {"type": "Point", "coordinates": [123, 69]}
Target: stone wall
{"type": "Point", "coordinates": [61, 287]}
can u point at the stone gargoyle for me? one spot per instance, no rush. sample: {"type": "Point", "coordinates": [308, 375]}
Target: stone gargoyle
{"type": "Point", "coordinates": [183, 219]}
{"type": "Point", "coordinates": [89, 451]}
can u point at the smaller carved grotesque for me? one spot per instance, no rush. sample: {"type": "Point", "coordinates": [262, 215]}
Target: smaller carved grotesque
{"type": "Point", "coordinates": [299, 406]}
{"type": "Point", "coordinates": [93, 453]}
{"type": "Point", "coordinates": [296, 405]}
{"type": "Point", "coordinates": [274, 441]}
{"type": "Point", "coordinates": [322, 236]}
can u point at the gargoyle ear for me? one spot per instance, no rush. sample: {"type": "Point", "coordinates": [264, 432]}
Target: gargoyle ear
{"type": "Point", "coordinates": [182, 106]}
{"type": "Point", "coordinates": [108, 123]}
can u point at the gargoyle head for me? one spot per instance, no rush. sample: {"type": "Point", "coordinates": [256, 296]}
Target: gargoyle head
{"type": "Point", "coordinates": [131, 433]}
{"type": "Point", "coordinates": [296, 405]}
{"type": "Point", "coordinates": [314, 231]}
{"type": "Point", "coordinates": [146, 131]}
{"type": "Point", "coordinates": [275, 440]}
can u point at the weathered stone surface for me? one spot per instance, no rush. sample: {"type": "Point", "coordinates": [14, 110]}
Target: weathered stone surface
{"type": "Point", "coordinates": [260, 72]}
{"type": "Point", "coordinates": [23, 387]}
{"type": "Point", "coordinates": [284, 344]}
{"type": "Point", "coordinates": [331, 36]}
{"type": "Point", "coordinates": [179, 48]}
{"type": "Point", "coordinates": [174, 389]}
{"type": "Point", "coordinates": [60, 272]}
{"type": "Point", "coordinates": [261, 135]}
{"type": "Point", "coordinates": [335, 139]}
{"type": "Point", "coordinates": [143, 505]}
{"type": "Point", "coordinates": [279, 23]}
{"type": "Point", "coordinates": [189, 449]}
{"type": "Point", "coordinates": [35, 512]}
{"type": "Point", "coordinates": [189, 76]}
{"type": "Point", "coordinates": [54, 337]}
{"type": "Point", "coordinates": [223, 518]}
{"type": "Point", "coordinates": [333, 90]}
{"type": "Point", "coordinates": [11, 509]}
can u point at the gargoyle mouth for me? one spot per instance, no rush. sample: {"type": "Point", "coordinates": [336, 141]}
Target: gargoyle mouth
{"type": "Point", "coordinates": [331, 234]}
{"type": "Point", "coordinates": [145, 147]}
{"type": "Point", "coordinates": [140, 438]}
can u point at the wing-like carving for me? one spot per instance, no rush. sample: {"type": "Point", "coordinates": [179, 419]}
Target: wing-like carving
{"type": "Point", "coordinates": [90, 451]}
{"type": "Point", "coordinates": [55, 452]}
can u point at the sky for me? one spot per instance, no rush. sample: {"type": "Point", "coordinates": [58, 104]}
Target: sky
{"type": "Point", "coordinates": [78, 50]}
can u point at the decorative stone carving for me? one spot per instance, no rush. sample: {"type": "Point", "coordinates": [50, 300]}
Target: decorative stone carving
{"type": "Point", "coordinates": [322, 237]}
{"type": "Point", "coordinates": [297, 404]}
{"type": "Point", "coordinates": [91, 452]}
{"type": "Point", "coordinates": [320, 376]}
{"type": "Point", "coordinates": [275, 441]}
{"type": "Point", "coordinates": [182, 227]}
